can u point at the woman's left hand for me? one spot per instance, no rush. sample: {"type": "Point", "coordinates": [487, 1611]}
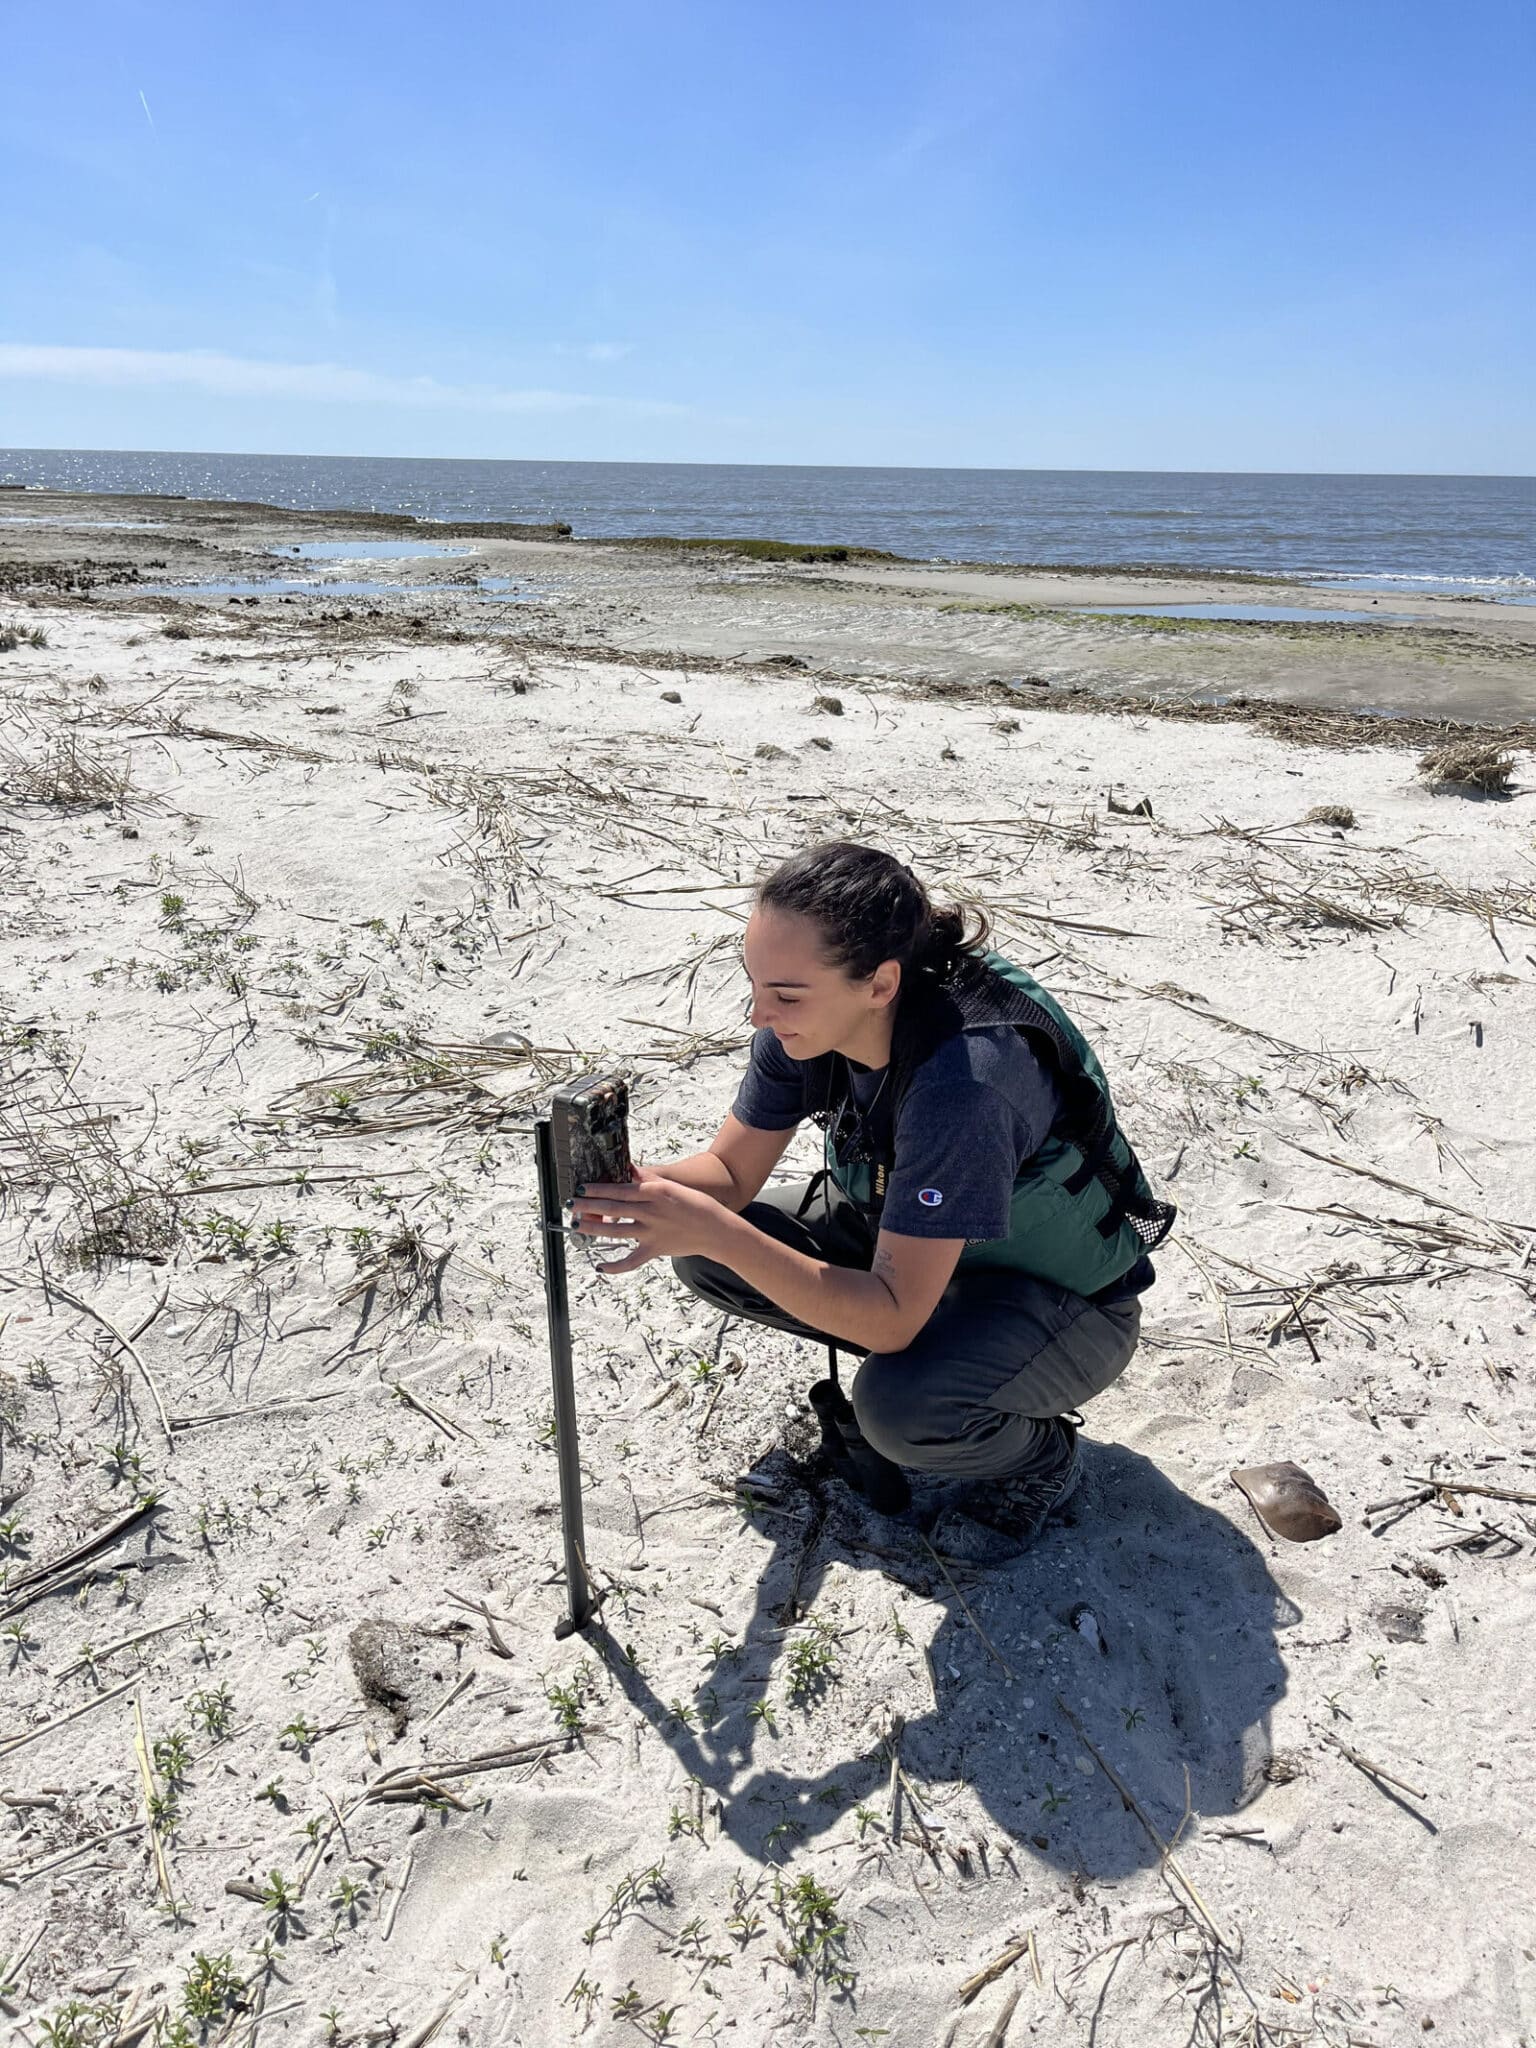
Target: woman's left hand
{"type": "Point", "coordinates": [665, 1219]}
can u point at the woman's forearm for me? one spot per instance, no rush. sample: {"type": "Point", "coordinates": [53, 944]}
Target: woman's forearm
{"type": "Point", "coordinates": [707, 1172]}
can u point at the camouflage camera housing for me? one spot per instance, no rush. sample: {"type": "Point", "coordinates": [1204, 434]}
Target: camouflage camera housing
{"type": "Point", "coordinates": [589, 1123]}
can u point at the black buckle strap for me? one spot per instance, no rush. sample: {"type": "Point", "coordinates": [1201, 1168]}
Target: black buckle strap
{"type": "Point", "coordinates": [1094, 1161]}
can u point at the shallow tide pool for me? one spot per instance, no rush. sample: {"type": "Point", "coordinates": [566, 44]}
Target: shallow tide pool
{"type": "Point", "coordinates": [366, 550]}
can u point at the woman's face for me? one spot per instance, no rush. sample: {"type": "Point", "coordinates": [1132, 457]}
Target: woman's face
{"type": "Point", "coordinates": [810, 1006]}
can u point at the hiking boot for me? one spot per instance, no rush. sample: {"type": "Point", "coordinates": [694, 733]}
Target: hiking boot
{"type": "Point", "coordinates": [996, 1520]}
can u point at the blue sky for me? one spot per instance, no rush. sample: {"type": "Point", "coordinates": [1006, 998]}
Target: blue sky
{"type": "Point", "coordinates": [1049, 233]}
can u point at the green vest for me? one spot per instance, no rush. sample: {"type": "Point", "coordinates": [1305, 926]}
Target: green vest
{"type": "Point", "coordinates": [1082, 1211]}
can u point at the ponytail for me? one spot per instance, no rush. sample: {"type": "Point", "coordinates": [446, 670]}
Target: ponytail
{"type": "Point", "coordinates": [946, 937]}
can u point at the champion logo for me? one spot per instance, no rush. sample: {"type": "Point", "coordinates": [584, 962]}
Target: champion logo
{"type": "Point", "coordinates": [930, 1197]}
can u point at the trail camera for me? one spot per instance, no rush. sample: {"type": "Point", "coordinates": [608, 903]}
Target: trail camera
{"type": "Point", "coordinates": [590, 1128]}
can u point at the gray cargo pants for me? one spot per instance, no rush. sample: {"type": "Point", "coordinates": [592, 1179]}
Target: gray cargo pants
{"type": "Point", "coordinates": [1000, 1354]}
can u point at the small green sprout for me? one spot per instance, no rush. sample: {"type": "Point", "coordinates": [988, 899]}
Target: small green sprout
{"type": "Point", "coordinates": [213, 1711]}
{"type": "Point", "coordinates": [210, 1987]}
{"type": "Point", "coordinates": [173, 1758]}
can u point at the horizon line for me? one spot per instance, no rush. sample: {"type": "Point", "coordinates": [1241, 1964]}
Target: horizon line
{"type": "Point", "coordinates": [921, 468]}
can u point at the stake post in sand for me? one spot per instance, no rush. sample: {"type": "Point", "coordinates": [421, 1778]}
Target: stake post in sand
{"type": "Point", "coordinates": [578, 1582]}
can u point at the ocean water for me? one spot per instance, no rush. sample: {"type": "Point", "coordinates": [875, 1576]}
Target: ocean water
{"type": "Point", "coordinates": [1467, 536]}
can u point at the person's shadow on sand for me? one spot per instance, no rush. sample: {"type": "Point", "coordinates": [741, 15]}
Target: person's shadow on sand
{"type": "Point", "coordinates": [1173, 1683]}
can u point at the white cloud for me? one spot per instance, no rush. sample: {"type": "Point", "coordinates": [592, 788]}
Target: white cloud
{"type": "Point", "coordinates": [608, 351]}
{"type": "Point", "coordinates": [325, 383]}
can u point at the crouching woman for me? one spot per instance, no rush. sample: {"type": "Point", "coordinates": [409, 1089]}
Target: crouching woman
{"type": "Point", "coordinates": [979, 1228]}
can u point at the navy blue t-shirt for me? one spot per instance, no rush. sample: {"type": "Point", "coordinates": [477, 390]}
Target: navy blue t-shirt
{"type": "Point", "coordinates": [978, 1107]}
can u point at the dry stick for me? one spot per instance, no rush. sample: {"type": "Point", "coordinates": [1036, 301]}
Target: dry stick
{"type": "Point", "coordinates": [312, 1862]}
{"type": "Point", "coordinates": [916, 1805]}
{"type": "Point", "coordinates": [900, 1780]}
{"type": "Point", "coordinates": [131, 2031]}
{"type": "Point", "coordinates": [128, 2003]}
{"type": "Point", "coordinates": [78, 1575]}
{"type": "Point", "coordinates": [1183, 1244]}
{"type": "Point", "coordinates": [970, 1617]}
{"type": "Point", "coordinates": [1134, 1805]}
{"type": "Point", "coordinates": [144, 1321]}
{"type": "Point", "coordinates": [127, 1344]}
{"type": "Point", "coordinates": [497, 1641]}
{"type": "Point", "coordinates": [1401, 1187]}
{"type": "Point", "coordinates": [1472, 1486]}
{"type": "Point", "coordinates": [12, 1743]}
{"type": "Point", "coordinates": [265, 2012]}
{"type": "Point", "coordinates": [713, 1400]}
{"type": "Point", "coordinates": [397, 1894]}
{"type": "Point", "coordinates": [933, 1676]}
{"type": "Point", "coordinates": [445, 1423]}
{"type": "Point", "coordinates": [1109, 1949]}
{"type": "Point", "coordinates": [147, 1773]}
{"type": "Point", "coordinates": [1404, 1500]}
{"type": "Point", "coordinates": [111, 1649]}
{"type": "Point", "coordinates": [993, 1970]}
{"type": "Point", "coordinates": [341, 1821]}
{"type": "Point", "coordinates": [402, 716]}
{"type": "Point", "coordinates": [1262, 1297]}
{"type": "Point", "coordinates": [1298, 1302]}
{"type": "Point", "coordinates": [287, 1177]}
{"type": "Point", "coordinates": [490, 1760]}
{"type": "Point", "coordinates": [292, 1406]}
{"type": "Point", "coordinates": [1363, 1763]}
{"type": "Point", "coordinates": [16, 1963]}
{"type": "Point", "coordinates": [1030, 913]}
{"type": "Point", "coordinates": [19, 1873]}
{"type": "Point", "coordinates": [1000, 2032]}
{"type": "Point", "coordinates": [402, 1793]}
{"type": "Point", "coordinates": [337, 1827]}
{"type": "Point", "coordinates": [444, 1704]}
{"type": "Point", "coordinates": [422, 2034]}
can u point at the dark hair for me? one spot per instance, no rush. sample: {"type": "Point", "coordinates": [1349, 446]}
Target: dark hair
{"type": "Point", "coordinates": [868, 908]}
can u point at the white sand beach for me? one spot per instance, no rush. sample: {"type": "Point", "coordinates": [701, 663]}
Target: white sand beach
{"type": "Point", "coordinates": [305, 919]}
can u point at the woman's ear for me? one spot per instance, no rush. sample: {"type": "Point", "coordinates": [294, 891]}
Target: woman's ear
{"type": "Point", "coordinates": [885, 982]}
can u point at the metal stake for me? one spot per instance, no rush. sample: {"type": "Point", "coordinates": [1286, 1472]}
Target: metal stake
{"type": "Point", "coordinates": [578, 1581]}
